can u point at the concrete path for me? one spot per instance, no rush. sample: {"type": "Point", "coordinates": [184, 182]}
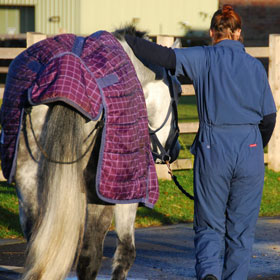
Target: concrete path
{"type": "Point", "coordinates": [164, 253]}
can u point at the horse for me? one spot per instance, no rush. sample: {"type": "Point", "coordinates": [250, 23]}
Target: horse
{"type": "Point", "coordinates": [62, 217]}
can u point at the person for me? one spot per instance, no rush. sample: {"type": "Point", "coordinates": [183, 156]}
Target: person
{"type": "Point", "coordinates": [237, 116]}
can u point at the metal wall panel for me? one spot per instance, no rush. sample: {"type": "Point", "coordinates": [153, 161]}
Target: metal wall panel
{"type": "Point", "coordinates": [9, 21]}
{"type": "Point", "coordinates": [19, 2]}
{"type": "Point", "coordinates": [58, 16]}
{"type": "Point", "coordinates": [158, 17]}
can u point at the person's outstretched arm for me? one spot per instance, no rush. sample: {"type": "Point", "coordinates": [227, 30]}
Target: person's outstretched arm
{"type": "Point", "coordinates": [152, 52]}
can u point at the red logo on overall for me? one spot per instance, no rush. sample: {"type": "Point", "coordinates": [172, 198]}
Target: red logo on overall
{"type": "Point", "coordinates": [252, 145]}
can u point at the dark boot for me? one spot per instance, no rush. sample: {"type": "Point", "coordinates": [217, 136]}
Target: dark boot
{"type": "Point", "coordinates": [210, 277]}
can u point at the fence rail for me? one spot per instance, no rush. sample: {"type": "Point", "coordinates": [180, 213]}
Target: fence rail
{"type": "Point", "coordinates": [272, 52]}
{"type": "Point", "coordinates": [10, 53]}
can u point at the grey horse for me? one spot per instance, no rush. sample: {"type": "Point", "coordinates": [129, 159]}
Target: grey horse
{"type": "Point", "coordinates": [61, 215]}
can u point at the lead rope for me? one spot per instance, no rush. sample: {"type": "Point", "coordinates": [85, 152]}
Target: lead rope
{"type": "Point", "coordinates": [174, 178]}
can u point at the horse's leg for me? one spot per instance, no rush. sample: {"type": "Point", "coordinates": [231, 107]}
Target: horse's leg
{"type": "Point", "coordinates": [26, 174]}
{"type": "Point", "coordinates": [99, 218]}
{"type": "Point", "coordinates": [125, 253]}
{"type": "Point", "coordinates": [27, 199]}
{"type": "Point", "coordinates": [98, 221]}
{"type": "Point", "coordinates": [27, 210]}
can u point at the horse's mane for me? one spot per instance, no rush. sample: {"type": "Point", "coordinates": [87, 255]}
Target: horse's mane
{"type": "Point", "coordinates": [129, 29]}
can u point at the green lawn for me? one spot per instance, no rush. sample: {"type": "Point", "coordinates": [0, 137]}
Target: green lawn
{"type": "Point", "coordinates": [187, 111]}
{"type": "Point", "coordinates": [172, 207]}
{"type": "Point", "coordinates": [9, 219]}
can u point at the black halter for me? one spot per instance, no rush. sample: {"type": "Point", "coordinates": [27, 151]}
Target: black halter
{"type": "Point", "coordinates": [168, 152]}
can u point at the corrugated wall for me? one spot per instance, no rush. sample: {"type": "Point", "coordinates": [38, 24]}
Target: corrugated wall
{"type": "Point", "coordinates": [52, 16]}
{"type": "Point", "coordinates": [19, 2]}
{"type": "Point", "coordinates": [9, 21]}
{"type": "Point", "coordinates": [57, 16]}
{"type": "Point", "coordinates": [164, 17]}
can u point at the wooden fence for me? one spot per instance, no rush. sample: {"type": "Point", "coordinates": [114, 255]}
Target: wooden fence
{"type": "Point", "coordinates": [272, 52]}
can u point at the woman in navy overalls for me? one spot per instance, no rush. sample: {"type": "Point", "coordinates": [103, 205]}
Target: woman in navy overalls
{"type": "Point", "coordinates": [236, 119]}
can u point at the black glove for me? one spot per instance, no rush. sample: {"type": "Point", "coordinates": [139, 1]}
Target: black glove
{"type": "Point", "coordinates": [266, 127]}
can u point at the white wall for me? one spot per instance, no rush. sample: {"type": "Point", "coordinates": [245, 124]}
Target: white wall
{"type": "Point", "coordinates": [68, 12]}
{"type": "Point", "coordinates": [155, 16]}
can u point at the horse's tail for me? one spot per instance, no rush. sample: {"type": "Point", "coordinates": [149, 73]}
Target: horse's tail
{"type": "Point", "coordinates": [58, 232]}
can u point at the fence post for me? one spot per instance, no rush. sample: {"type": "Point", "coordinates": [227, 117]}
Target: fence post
{"type": "Point", "coordinates": [34, 37]}
{"type": "Point", "coordinates": [274, 80]}
{"type": "Point", "coordinates": [166, 41]}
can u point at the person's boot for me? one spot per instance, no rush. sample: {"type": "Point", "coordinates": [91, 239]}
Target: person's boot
{"type": "Point", "coordinates": [210, 277]}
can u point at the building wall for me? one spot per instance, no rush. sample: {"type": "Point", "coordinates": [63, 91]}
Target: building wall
{"type": "Point", "coordinates": [57, 16]}
{"type": "Point", "coordinates": [155, 16]}
{"type": "Point", "coordinates": [260, 18]}
{"type": "Point", "coordinates": [19, 2]}
{"type": "Point", "coordinates": [9, 21]}
{"type": "Point", "coordinates": [10, 15]}
{"type": "Point", "coordinates": [51, 16]}
{"type": "Point", "coordinates": [84, 17]}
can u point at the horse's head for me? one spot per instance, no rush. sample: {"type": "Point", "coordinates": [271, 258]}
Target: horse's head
{"type": "Point", "coordinates": [161, 93]}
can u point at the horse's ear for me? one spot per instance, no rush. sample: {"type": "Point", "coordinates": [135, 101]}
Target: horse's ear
{"type": "Point", "coordinates": [177, 43]}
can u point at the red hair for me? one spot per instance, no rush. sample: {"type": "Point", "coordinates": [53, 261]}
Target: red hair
{"type": "Point", "coordinates": [225, 22]}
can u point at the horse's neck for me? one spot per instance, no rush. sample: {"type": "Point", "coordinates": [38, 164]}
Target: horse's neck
{"type": "Point", "coordinates": [144, 74]}
{"type": "Point", "coordinates": [156, 92]}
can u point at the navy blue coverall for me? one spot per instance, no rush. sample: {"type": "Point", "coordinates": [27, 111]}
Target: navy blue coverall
{"type": "Point", "coordinates": [233, 98]}
{"type": "Point", "coordinates": [233, 95]}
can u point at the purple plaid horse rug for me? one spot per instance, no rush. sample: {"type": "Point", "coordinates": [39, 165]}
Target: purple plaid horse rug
{"type": "Point", "coordinates": [95, 76]}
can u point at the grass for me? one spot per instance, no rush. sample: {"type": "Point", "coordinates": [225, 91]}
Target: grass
{"type": "Point", "coordinates": [172, 207]}
{"type": "Point", "coordinates": [271, 194]}
{"type": "Point", "coordinates": [187, 111]}
{"type": "Point", "coordinates": [9, 218]}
